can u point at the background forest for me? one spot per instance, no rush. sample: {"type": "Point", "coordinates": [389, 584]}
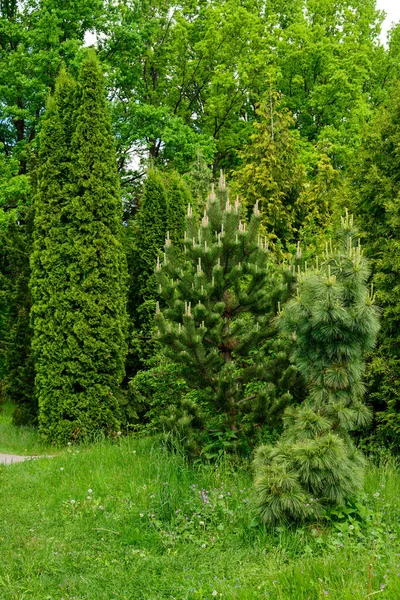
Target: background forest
{"type": "Point", "coordinates": [199, 233]}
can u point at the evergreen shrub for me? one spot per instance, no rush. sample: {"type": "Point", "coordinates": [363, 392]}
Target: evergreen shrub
{"type": "Point", "coordinates": [218, 300]}
{"type": "Point", "coordinates": [334, 323]}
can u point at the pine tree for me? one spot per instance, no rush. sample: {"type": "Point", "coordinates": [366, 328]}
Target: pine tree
{"type": "Point", "coordinates": [219, 298]}
{"type": "Point", "coordinates": [334, 321]}
{"type": "Point", "coordinates": [78, 266]}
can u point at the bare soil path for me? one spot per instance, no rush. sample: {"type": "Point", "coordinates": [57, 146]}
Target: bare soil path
{"type": "Point", "coordinates": [9, 459]}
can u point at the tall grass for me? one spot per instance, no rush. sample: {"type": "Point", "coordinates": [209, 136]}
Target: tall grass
{"type": "Point", "coordinates": [18, 440]}
{"type": "Point", "coordinates": [131, 520]}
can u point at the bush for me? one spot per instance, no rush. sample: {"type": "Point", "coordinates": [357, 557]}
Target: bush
{"type": "Point", "coordinates": [334, 322]}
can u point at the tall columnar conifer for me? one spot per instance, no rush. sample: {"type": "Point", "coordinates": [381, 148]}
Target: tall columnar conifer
{"type": "Point", "coordinates": [378, 201]}
{"type": "Point", "coordinates": [334, 321]}
{"type": "Point", "coordinates": [152, 227]}
{"type": "Point", "coordinates": [178, 199]}
{"type": "Point", "coordinates": [19, 380]}
{"type": "Point", "coordinates": [78, 265]}
{"type": "Point", "coordinates": [219, 298]}
{"type": "Point", "coordinates": [294, 182]}
{"type": "Point", "coordinates": [273, 173]}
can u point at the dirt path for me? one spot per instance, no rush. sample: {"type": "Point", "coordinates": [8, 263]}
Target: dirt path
{"type": "Point", "coordinates": [9, 459]}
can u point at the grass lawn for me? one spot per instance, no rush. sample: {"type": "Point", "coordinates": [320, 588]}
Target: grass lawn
{"type": "Point", "coordinates": [19, 440]}
{"type": "Point", "coordinates": [131, 521]}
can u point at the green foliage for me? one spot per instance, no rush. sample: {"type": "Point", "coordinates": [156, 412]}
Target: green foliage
{"type": "Point", "coordinates": [189, 76]}
{"type": "Point", "coordinates": [322, 201]}
{"type": "Point", "coordinates": [327, 62]}
{"type": "Point", "coordinates": [78, 266]}
{"type": "Point", "coordinates": [19, 373]}
{"type": "Point", "coordinates": [292, 180]}
{"type": "Point", "coordinates": [151, 229]}
{"type": "Point", "coordinates": [151, 394]}
{"type": "Point", "coordinates": [36, 39]}
{"type": "Point", "coordinates": [199, 178]}
{"type": "Point", "coordinates": [178, 198]}
{"type": "Point", "coordinates": [334, 321]}
{"type": "Point", "coordinates": [16, 369]}
{"type": "Point", "coordinates": [378, 196]}
{"type": "Point", "coordinates": [186, 75]}
{"type": "Point", "coordinates": [273, 173]}
{"type": "Point", "coordinates": [219, 299]}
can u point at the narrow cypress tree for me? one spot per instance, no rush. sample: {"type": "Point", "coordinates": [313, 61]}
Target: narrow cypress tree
{"type": "Point", "coordinates": [178, 198]}
{"type": "Point", "coordinates": [152, 222]}
{"type": "Point", "coordinates": [377, 185]}
{"type": "Point", "coordinates": [19, 380]}
{"type": "Point", "coordinates": [273, 173]}
{"type": "Point", "coordinates": [199, 179]}
{"type": "Point", "coordinates": [78, 266]}
{"type": "Point", "coordinates": [49, 259]}
{"type": "Point", "coordinates": [152, 228]}
{"type": "Point", "coordinates": [335, 324]}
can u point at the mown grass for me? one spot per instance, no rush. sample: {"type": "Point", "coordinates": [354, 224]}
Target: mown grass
{"type": "Point", "coordinates": [130, 520]}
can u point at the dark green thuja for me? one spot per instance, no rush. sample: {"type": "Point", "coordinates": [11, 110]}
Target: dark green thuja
{"type": "Point", "coordinates": [335, 324]}
{"type": "Point", "coordinates": [178, 198]}
{"type": "Point", "coordinates": [219, 295]}
{"type": "Point", "coordinates": [376, 179]}
{"type": "Point", "coordinates": [19, 379]}
{"type": "Point", "coordinates": [162, 208]}
{"type": "Point", "coordinates": [151, 232]}
{"type": "Point", "coordinates": [78, 265]}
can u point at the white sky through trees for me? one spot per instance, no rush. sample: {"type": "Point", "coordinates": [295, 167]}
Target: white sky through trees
{"type": "Point", "coordinates": [392, 10]}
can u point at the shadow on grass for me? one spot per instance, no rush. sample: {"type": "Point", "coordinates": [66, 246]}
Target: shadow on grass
{"type": "Point", "coordinates": [22, 440]}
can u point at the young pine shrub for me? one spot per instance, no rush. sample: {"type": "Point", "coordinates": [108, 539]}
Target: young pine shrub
{"type": "Point", "coordinates": [218, 299]}
{"type": "Point", "coordinates": [334, 323]}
